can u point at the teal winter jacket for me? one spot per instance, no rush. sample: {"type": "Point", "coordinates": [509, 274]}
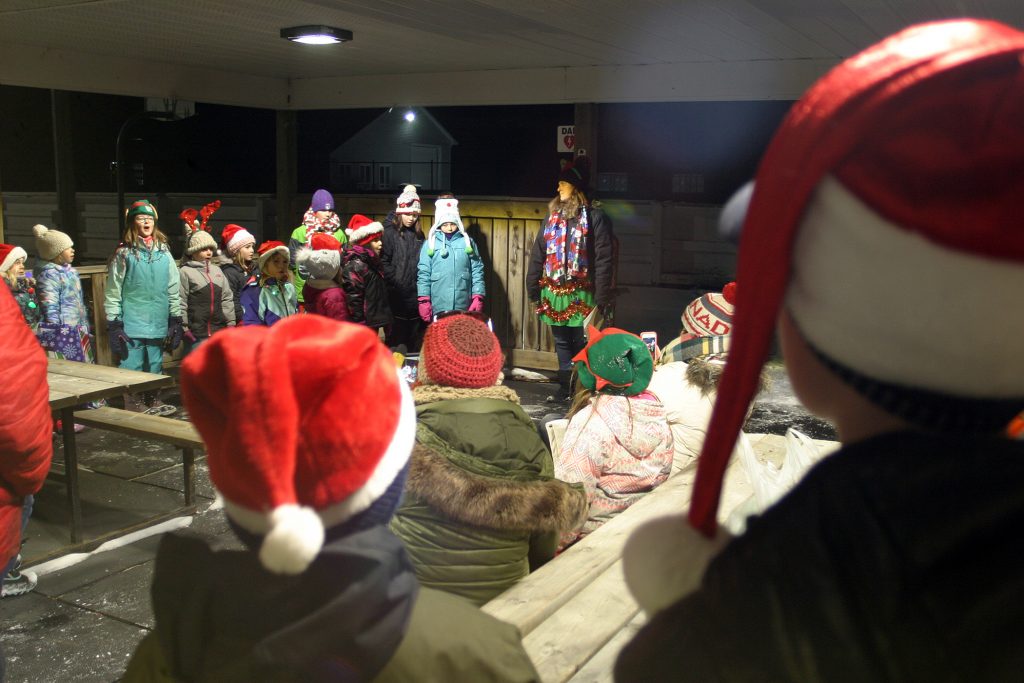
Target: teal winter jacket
{"type": "Point", "coordinates": [143, 290]}
{"type": "Point", "coordinates": [450, 276]}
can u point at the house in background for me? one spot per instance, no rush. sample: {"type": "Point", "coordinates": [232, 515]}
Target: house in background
{"type": "Point", "coordinates": [402, 145]}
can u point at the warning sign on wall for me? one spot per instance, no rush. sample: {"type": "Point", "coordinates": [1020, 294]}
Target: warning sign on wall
{"type": "Point", "coordinates": [567, 138]}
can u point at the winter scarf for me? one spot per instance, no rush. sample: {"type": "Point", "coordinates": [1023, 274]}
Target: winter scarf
{"type": "Point", "coordinates": [568, 260]}
{"type": "Point", "coordinates": [315, 225]}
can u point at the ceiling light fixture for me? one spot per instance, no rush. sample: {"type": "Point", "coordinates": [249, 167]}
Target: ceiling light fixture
{"type": "Point", "coordinates": [316, 35]}
{"type": "Point", "coordinates": [410, 116]}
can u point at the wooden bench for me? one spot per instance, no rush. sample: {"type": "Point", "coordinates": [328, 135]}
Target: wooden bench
{"type": "Point", "coordinates": [177, 432]}
{"type": "Point", "coordinates": [575, 613]}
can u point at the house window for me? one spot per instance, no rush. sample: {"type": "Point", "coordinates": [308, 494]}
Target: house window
{"type": "Point", "coordinates": [384, 176]}
{"type": "Point", "coordinates": [687, 183]}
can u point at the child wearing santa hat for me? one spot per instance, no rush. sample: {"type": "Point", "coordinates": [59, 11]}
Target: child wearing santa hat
{"type": "Point", "coordinates": [239, 247]}
{"type": "Point", "coordinates": [322, 293]}
{"type": "Point", "coordinates": [270, 296]}
{"type": "Point", "coordinates": [12, 269]}
{"type": "Point", "coordinates": [321, 217]}
{"type": "Point", "coordinates": [322, 590]}
{"type": "Point", "coordinates": [883, 240]}
{"type": "Point", "coordinates": [450, 274]}
{"type": "Point", "coordinates": [482, 507]}
{"type": "Point", "coordinates": [362, 276]}
{"type": "Point", "coordinates": [617, 443]}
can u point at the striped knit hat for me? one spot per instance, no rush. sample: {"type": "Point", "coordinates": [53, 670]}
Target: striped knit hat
{"type": "Point", "coordinates": [885, 217]}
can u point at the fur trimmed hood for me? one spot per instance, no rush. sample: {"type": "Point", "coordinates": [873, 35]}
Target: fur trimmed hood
{"type": "Point", "coordinates": [432, 393]}
{"type": "Point", "coordinates": [541, 504]}
{"type": "Point", "coordinates": [705, 373]}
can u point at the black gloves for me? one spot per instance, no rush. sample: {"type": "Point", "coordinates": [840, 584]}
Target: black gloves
{"type": "Point", "coordinates": [117, 339]}
{"type": "Point", "coordinates": [174, 332]}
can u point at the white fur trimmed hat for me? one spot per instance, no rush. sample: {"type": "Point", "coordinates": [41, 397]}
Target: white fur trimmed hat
{"type": "Point", "coordinates": [322, 258]}
{"type": "Point", "coordinates": [362, 229]}
{"type": "Point", "coordinates": [885, 217]}
{"type": "Point", "coordinates": [291, 467]}
{"type": "Point", "coordinates": [49, 242]}
{"type": "Point", "coordinates": [234, 237]}
{"type": "Point", "coordinates": [446, 210]}
{"type": "Point", "coordinates": [9, 253]}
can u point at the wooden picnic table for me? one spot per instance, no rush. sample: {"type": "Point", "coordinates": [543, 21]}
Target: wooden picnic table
{"type": "Point", "coordinates": [75, 384]}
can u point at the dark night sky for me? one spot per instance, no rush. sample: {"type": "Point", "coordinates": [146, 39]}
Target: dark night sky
{"type": "Point", "coordinates": [501, 151]}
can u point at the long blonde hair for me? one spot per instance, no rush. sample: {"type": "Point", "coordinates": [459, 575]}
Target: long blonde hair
{"type": "Point", "coordinates": [131, 233]}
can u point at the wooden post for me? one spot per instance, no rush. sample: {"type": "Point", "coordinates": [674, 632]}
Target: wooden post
{"type": "Point", "coordinates": [66, 219]}
{"type": "Point", "coordinates": [586, 123]}
{"type": "Point", "coordinates": [287, 174]}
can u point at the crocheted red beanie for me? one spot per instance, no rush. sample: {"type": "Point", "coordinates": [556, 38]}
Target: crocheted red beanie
{"type": "Point", "coordinates": [460, 351]}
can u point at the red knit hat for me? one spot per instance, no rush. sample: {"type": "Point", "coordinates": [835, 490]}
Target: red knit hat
{"type": "Point", "coordinates": [287, 462]}
{"type": "Point", "coordinates": [900, 172]}
{"type": "Point", "coordinates": [460, 351]}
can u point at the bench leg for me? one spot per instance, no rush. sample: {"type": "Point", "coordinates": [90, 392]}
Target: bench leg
{"type": "Point", "coordinates": [67, 417]}
{"type": "Point", "coordinates": [188, 461]}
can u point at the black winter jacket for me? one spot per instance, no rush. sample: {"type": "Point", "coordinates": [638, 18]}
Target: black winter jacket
{"type": "Point", "coordinates": [399, 258]}
{"type": "Point", "coordinates": [237, 277]}
{"type": "Point", "coordinates": [365, 292]}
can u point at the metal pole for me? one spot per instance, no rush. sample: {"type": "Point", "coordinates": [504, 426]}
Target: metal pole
{"type": "Point", "coordinates": [119, 155]}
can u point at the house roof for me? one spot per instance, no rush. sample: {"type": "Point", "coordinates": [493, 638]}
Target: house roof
{"type": "Point", "coordinates": [460, 52]}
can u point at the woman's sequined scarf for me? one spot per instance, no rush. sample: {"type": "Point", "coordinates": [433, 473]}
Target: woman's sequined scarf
{"type": "Point", "coordinates": [566, 249]}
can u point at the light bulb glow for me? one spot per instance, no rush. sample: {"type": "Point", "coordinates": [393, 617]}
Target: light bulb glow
{"type": "Point", "coordinates": [410, 116]}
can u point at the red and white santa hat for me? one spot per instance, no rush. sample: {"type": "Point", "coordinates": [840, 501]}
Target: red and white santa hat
{"type": "Point", "coordinates": [268, 249]}
{"type": "Point", "coordinates": [286, 461]}
{"type": "Point", "coordinates": [885, 216]}
{"type": "Point", "coordinates": [362, 230]}
{"type": "Point", "coordinates": [9, 253]}
{"type": "Point", "coordinates": [234, 237]}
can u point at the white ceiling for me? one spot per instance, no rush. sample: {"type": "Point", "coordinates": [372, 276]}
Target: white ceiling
{"type": "Point", "coordinates": [450, 52]}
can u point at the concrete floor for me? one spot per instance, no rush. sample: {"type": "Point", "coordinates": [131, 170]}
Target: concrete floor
{"type": "Point", "coordinates": [83, 621]}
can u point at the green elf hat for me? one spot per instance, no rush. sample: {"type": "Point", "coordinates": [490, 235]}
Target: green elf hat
{"type": "Point", "coordinates": [614, 362]}
{"type": "Point", "coordinates": [141, 207]}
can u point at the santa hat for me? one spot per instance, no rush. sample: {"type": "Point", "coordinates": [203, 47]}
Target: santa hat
{"type": "Point", "coordinates": [408, 201]}
{"type": "Point", "coordinates": [234, 237]}
{"type": "Point", "coordinates": [268, 249]}
{"type": "Point", "coordinates": [286, 461]}
{"type": "Point", "coordinates": [614, 362]}
{"type": "Point", "coordinates": [460, 351]}
{"type": "Point", "coordinates": [362, 230]}
{"type": "Point", "coordinates": [9, 253]}
{"type": "Point", "coordinates": [50, 243]}
{"type": "Point", "coordinates": [446, 210]}
{"type": "Point", "coordinates": [885, 214]}
{"type": "Point", "coordinates": [322, 258]}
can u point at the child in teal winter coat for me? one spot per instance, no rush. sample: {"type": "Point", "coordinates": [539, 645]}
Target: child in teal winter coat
{"type": "Point", "coordinates": [142, 300]}
{"type": "Point", "coordinates": [450, 275]}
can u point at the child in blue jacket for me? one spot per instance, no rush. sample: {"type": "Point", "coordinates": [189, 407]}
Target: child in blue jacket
{"type": "Point", "coordinates": [270, 295]}
{"type": "Point", "coordinates": [450, 275]}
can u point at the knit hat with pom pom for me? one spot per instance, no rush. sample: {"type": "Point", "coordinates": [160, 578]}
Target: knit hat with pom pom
{"type": "Point", "coordinates": [287, 462]}
{"type": "Point", "coordinates": [50, 243]}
